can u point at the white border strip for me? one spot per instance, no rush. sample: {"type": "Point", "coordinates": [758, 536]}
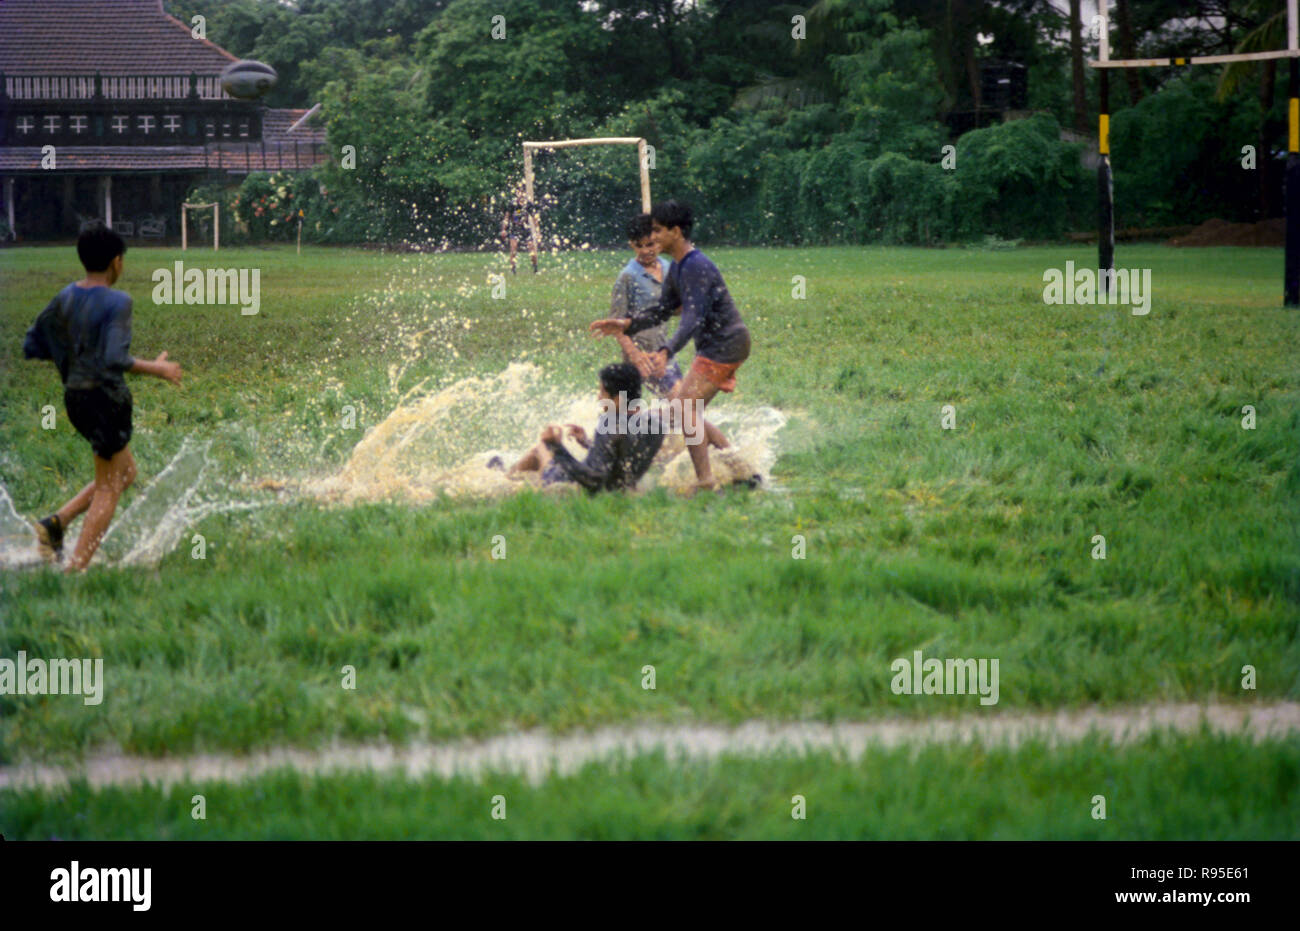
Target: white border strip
{"type": "Point", "coordinates": [539, 754]}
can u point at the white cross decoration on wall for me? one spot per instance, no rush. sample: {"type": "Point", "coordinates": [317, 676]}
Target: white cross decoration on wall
{"type": "Point", "coordinates": [146, 124]}
{"type": "Point", "coordinates": [77, 124]}
{"type": "Point", "coordinates": [171, 123]}
{"type": "Point", "coordinates": [52, 124]}
{"type": "Point", "coordinates": [119, 124]}
{"type": "Point", "coordinates": [26, 124]}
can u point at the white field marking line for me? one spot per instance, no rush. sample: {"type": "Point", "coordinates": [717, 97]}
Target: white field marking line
{"type": "Point", "coordinates": [538, 754]}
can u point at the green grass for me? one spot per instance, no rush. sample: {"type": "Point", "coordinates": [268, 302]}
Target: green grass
{"type": "Point", "coordinates": [1071, 421]}
{"type": "Point", "coordinates": [1198, 788]}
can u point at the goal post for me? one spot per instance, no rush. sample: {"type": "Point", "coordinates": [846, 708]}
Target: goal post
{"type": "Point", "coordinates": [1291, 183]}
{"type": "Point", "coordinates": [642, 156]}
{"type": "Point", "coordinates": [216, 224]}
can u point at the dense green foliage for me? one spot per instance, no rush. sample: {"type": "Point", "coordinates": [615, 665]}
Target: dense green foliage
{"type": "Point", "coordinates": [780, 123]}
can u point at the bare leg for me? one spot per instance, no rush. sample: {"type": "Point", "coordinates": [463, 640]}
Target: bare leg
{"type": "Point", "coordinates": [514, 248]}
{"type": "Point", "coordinates": [112, 477]}
{"type": "Point", "coordinates": [695, 387]}
{"type": "Point", "coordinates": [715, 436]}
{"type": "Point", "coordinates": [76, 506]}
{"type": "Point", "coordinates": [711, 432]}
{"type": "Point", "coordinates": [535, 460]}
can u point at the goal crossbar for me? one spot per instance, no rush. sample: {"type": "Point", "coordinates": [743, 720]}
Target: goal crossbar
{"type": "Point", "coordinates": [1195, 60]}
{"type": "Point", "coordinates": [531, 147]}
{"type": "Point", "coordinates": [1291, 195]}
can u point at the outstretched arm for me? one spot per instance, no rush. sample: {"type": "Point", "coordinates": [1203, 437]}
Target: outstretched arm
{"type": "Point", "coordinates": [160, 367]}
{"type": "Point", "coordinates": [35, 345]}
{"type": "Point", "coordinates": [669, 301]}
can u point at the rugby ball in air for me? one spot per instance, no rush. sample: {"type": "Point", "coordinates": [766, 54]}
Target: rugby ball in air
{"type": "Point", "coordinates": [248, 80]}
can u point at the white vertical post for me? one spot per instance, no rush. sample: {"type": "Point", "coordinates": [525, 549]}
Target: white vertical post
{"type": "Point", "coordinates": [645, 175]}
{"type": "Point", "coordinates": [216, 227]}
{"type": "Point", "coordinates": [528, 194]}
{"type": "Point", "coordinates": [184, 229]}
{"type": "Point", "coordinates": [1292, 29]}
{"type": "Point", "coordinates": [1103, 51]}
{"type": "Point", "coordinates": [108, 201]}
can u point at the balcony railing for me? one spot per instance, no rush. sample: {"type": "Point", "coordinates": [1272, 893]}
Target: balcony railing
{"type": "Point", "coordinates": [112, 87]}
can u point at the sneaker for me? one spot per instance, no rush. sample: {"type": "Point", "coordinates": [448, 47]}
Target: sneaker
{"type": "Point", "coordinates": [496, 462]}
{"type": "Point", "coordinates": [49, 537]}
{"type": "Point", "coordinates": [754, 481]}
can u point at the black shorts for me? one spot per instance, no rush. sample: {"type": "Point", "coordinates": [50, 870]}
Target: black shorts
{"type": "Point", "coordinates": [102, 416]}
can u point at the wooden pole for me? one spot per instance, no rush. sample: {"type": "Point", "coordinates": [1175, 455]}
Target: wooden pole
{"type": "Point", "coordinates": [1105, 180]}
{"type": "Point", "coordinates": [528, 194]}
{"type": "Point", "coordinates": [645, 175]}
{"type": "Point", "coordinates": [300, 235]}
{"type": "Point", "coordinates": [569, 143]}
{"type": "Point", "coordinates": [1291, 186]}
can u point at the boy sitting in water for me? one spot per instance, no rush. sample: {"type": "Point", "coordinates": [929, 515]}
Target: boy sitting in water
{"type": "Point", "coordinates": [628, 434]}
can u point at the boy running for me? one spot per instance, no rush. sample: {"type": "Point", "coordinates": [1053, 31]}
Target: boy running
{"type": "Point", "coordinates": [709, 317]}
{"type": "Point", "coordinates": [86, 332]}
{"type": "Point", "coordinates": [517, 224]}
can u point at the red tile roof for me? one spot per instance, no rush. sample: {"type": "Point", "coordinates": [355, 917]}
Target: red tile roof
{"type": "Point", "coordinates": [236, 159]}
{"type": "Point", "coordinates": [276, 123]}
{"type": "Point", "coordinates": [109, 36]}
{"type": "Point", "coordinates": [107, 157]}
{"type": "Point", "coordinates": [230, 157]}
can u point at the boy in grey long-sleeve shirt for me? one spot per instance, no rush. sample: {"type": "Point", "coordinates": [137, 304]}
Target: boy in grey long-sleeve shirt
{"type": "Point", "coordinates": [86, 332]}
{"type": "Point", "coordinates": [627, 437]}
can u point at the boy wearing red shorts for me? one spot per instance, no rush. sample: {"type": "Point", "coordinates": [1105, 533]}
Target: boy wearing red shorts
{"type": "Point", "coordinates": [694, 287]}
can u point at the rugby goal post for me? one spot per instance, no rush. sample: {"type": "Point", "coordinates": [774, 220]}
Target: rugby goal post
{"type": "Point", "coordinates": [216, 224]}
{"type": "Point", "coordinates": [641, 157]}
{"type": "Point", "coordinates": [1291, 182]}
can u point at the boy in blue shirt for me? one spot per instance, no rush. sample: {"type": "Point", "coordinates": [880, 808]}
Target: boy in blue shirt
{"type": "Point", "coordinates": [86, 332]}
{"type": "Point", "coordinates": [637, 290]}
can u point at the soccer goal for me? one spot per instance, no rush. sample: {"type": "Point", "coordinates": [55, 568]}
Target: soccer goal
{"type": "Point", "coordinates": [1291, 184]}
{"type": "Point", "coordinates": [216, 224]}
{"type": "Point", "coordinates": [643, 155]}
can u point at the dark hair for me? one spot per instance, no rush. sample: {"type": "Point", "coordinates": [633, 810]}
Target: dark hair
{"type": "Point", "coordinates": [670, 213]}
{"type": "Point", "coordinates": [638, 228]}
{"type": "Point", "coordinates": [621, 376]}
{"type": "Point", "coordinates": [98, 246]}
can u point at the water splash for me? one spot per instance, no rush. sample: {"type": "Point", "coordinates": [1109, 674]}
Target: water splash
{"type": "Point", "coordinates": [439, 441]}
{"type": "Point", "coordinates": [185, 492]}
{"type": "Point", "coordinates": [17, 538]}
{"type": "Point", "coordinates": [177, 498]}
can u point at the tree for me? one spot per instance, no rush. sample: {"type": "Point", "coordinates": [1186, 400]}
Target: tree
{"type": "Point", "coordinates": [1078, 85]}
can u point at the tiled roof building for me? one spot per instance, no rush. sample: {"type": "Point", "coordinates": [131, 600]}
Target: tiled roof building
{"type": "Point", "coordinates": [113, 109]}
